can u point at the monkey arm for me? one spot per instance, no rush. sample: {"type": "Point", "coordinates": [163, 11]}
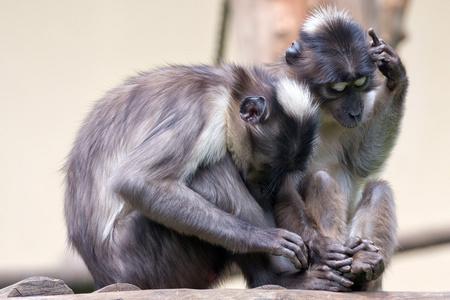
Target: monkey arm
{"type": "Point", "coordinates": [164, 198]}
{"type": "Point", "coordinates": [379, 133]}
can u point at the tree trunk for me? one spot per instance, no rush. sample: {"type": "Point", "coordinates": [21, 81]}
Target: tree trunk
{"type": "Point", "coordinates": [261, 30]}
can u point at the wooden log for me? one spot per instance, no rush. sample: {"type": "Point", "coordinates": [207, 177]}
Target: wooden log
{"type": "Point", "coordinates": [261, 30]}
{"type": "Point", "coordinates": [36, 286]}
{"type": "Point", "coordinates": [118, 287]}
{"type": "Point", "coordinates": [249, 294]}
{"type": "Point", "coordinates": [48, 288]}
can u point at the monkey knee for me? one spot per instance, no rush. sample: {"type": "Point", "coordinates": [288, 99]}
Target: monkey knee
{"type": "Point", "coordinates": [377, 192]}
{"type": "Point", "coordinates": [375, 217]}
{"type": "Point", "coordinates": [322, 179]}
{"type": "Point", "coordinates": [324, 188]}
{"type": "Point", "coordinates": [321, 175]}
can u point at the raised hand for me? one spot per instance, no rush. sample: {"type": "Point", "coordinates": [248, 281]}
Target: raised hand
{"type": "Point", "coordinates": [387, 60]}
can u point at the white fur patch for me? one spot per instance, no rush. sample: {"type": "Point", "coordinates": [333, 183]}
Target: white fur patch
{"type": "Point", "coordinates": [211, 145]}
{"type": "Point", "coordinates": [110, 203]}
{"type": "Point", "coordinates": [116, 205]}
{"type": "Point", "coordinates": [295, 99]}
{"type": "Point", "coordinates": [369, 101]}
{"type": "Point", "coordinates": [323, 15]}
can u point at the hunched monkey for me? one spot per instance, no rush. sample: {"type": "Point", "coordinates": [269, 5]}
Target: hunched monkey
{"type": "Point", "coordinates": [139, 204]}
{"type": "Point", "coordinates": [360, 88]}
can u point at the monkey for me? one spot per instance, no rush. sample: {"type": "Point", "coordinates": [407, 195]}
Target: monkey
{"type": "Point", "coordinates": [174, 176]}
{"type": "Point", "coordinates": [360, 88]}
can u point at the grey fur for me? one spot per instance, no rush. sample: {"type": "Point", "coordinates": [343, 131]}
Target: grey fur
{"type": "Point", "coordinates": [158, 179]}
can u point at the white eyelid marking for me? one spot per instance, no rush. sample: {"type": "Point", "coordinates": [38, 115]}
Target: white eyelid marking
{"type": "Point", "coordinates": [360, 81]}
{"type": "Point", "coordinates": [339, 86]}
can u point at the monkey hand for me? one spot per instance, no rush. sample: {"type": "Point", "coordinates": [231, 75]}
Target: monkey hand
{"type": "Point", "coordinates": [357, 244]}
{"type": "Point", "coordinates": [321, 277]}
{"type": "Point", "coordinates": [366, 266]}
{"type": "Point", "coordinates": [288, 244]}
{"type": "Point", "coordinates": [328, 251]}
{"type": "Point", "coordinates": [386, 60]}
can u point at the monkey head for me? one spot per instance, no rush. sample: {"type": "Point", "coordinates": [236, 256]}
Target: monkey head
{"type": "Point", "coordinates": [282, 126]}
{"type": "Point", "coordinates": [332, 58]}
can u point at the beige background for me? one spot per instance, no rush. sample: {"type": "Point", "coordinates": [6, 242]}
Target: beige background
{"type": "Point", "coordinates": [57, 57]}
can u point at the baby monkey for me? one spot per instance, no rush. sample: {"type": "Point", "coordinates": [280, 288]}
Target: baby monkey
{"type": "Point", "coordinates": [360, 88]}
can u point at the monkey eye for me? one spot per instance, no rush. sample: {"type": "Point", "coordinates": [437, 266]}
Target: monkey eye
{"type": "Point", "coordinates": [339, 86]}
{"type": "Point", "coordinates": [359, 82]}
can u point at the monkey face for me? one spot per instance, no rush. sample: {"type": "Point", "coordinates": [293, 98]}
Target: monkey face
{"type": "Point", "coordinates": [332, 58]}
{"type": "Point", "coordinates": [347, 110]}
{"type": "Point", "coordinates": [345, 100]}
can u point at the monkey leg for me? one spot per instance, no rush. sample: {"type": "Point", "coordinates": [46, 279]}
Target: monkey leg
{"type": "Point", "coordinates": [222, 184]}
{"type": "Point", "coordinates": [150, 255]}
{"type": "Point", "coordinates": [374, 219]}
{"type": "Point", "coordinates": [326, 204]}
{"type": "Point", "coordinates": [290, 212]}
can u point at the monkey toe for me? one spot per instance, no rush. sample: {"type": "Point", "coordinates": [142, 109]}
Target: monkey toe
{"type": "Point", "coordinates": [367, 266]}
{"type": "Point", "coordinates": [325, 278]}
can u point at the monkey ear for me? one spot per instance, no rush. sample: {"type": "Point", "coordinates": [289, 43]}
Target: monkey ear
{"type": "Point", "coordinates": [253, 109]}
{"type": "Point", "coordinates": [292, 53]}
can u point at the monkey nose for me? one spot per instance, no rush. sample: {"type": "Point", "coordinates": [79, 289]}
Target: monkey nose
{"type": "Point", "coordinates": [355, 117]}
{"type": "Point", "coordinates": [355, 114]}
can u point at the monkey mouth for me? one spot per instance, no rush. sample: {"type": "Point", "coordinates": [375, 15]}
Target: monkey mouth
{"type": "Point", "coordinates": [347, 120]}
{"type": "Point", "coordinates": [350, 121]}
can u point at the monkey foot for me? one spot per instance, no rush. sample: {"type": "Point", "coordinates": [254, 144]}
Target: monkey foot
{"type": "Point", "coordinates": [322, 277]}
{"type": "Point", "coordinates": [366, 266]}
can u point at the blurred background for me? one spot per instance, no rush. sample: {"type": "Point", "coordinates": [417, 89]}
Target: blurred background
{"type": "Point", "coordinates": [57, 57]}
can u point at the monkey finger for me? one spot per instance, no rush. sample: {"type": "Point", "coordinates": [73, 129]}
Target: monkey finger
{"type": "Point", "coordinates": [345, 251]}
{"type": "Point", "coordinates": [296, 244]}
{"type": "Point", "coordinates": [298, 257]}
{"type": "Point", "coordinates": [302, 259]}
{"type": "Point", "coordinates": [364, 268]}
{"type": "Point", "coordinates": [336, 264]}
{"type": "Point", "coordinates": [366, 241]}
{"type": "Point", "coordinates": [373, 35]}
{"type": "Point", "coordinates": [299, 260]}
{"type": "Point", "coordinates": [288, 253]}
{"type": "Point", "coordinates": [339, 279]}
{"type": "Point", "coordinates": [381, 58]}
{"type": "Point", "coordinates": [339, 248]}
{"type": "Point", "coordinates": [370, 274]}
{"type": "Point", "coordinates": [372, 248]}
{"type": "Point", "coordinates": [358, 248]}
{"type": "Point", "coordinates": [345, 269]}
{"type": "Point", "coordinates": [378, 269]}
{"type": "Point", "coordinates": [336, 256]}
{"type": "Point", "coordinates": [336, 287]}
{"type": "Point", "coordinates": [353, 242]}
{"type": "Point", "coordinates": [377, 50]}
{"type": "Point", "coordinates": [297, 263]}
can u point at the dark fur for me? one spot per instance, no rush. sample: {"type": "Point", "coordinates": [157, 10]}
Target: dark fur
{"type": "Point", "coordinates": [337, 51]}
{"type": "Point", "coordinates": [181, 225]}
